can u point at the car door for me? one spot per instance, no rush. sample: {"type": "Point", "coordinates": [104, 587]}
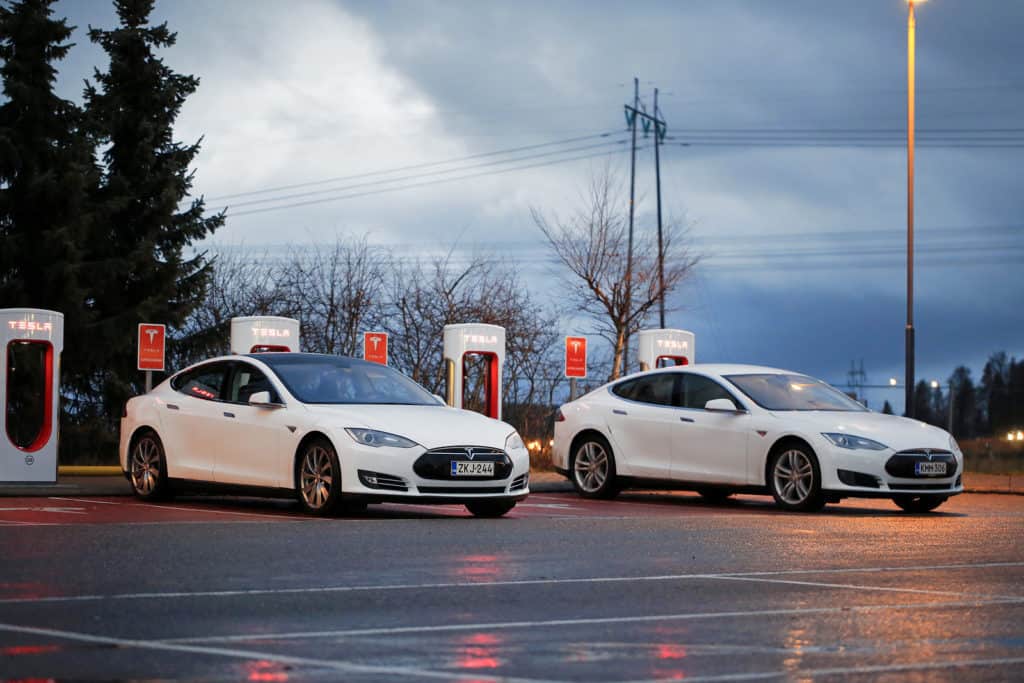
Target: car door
{"type": "Point", "coordinates": [708, 445]}
{"type": "Point", "coordinates": [641, 420]}
{"type": "Point", "coordinates": [192, 436]}
{"type": "Point", "coordinates": [253, 454]}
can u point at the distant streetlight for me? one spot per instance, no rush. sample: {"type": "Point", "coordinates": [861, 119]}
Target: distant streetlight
{"type": "Point", "coordinates": [935, 384]}
{"type": "Point", "coordinates": [893, 381]}
{"type": "Point", "coordinates": [911, 24]}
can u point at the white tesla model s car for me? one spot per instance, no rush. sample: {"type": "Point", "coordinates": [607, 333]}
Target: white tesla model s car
{"type": "Point", "coordinates": [331, 430]}
{"type": "Point", "coordinates": [722, 429]}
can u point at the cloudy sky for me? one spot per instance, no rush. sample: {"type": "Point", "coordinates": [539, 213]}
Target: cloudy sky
{"type": "Point", "coordinates": [786, 157]}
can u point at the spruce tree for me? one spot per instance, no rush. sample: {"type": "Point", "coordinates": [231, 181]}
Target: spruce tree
{"type": "Point", "coordinates": [141, 270]}
{"type": "Point", "coordinates": [46, 172]}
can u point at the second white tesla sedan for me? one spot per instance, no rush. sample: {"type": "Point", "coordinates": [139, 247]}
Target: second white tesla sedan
{"type": "Point", "coordinates": [723, 429]}
{"type": "Point", "coordinates": [330, 430]}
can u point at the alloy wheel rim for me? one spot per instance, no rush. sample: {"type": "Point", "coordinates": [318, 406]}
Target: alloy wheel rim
{"type": "Point", "coordinates": [794, 476]}
{"type": "Point", "coordinates": [316, 477]}
{"type": "Point", "coordinates": [591, 468]}
{"type": "Point", "coordinates": [145, 466]}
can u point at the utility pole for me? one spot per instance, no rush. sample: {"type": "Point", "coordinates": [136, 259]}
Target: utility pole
{"type": "Point", "coordinates": [911, 29]}
{"type": "Point", "coordinates": [631, 119]}
{"type": "Point", "coordinates": [660, 128]}
{"type": "Point", "coordinates": [658, 133]}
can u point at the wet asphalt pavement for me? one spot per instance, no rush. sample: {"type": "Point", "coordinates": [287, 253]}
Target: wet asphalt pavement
{"type": "Point", "coordinates": [648, 587]}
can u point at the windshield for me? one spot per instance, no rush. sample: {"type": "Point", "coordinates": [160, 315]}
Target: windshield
{"type": "Point", "coordinates": [313, 378]}
{"type": "Point", "coordinates": [793, 392]}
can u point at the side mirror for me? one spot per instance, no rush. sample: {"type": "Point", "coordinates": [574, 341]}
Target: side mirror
{"type": "Point", "coordinates": [262, 400]}
{"type": "Point", "coordinates": [440, 399]}
{"type": "Point", "coordinates": [722, 405]}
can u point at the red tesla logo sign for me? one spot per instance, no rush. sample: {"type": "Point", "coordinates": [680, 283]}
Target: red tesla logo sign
{"type": "Point", "coordinates": [375, 347]}
{"type": "Point", "coordinates": [575, 356]}
{"type": "Point", "coordinates": [151, 347]}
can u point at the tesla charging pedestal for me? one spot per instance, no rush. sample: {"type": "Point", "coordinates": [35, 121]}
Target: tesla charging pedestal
{"type": "Point", "coordinates": [30, 392]}
{"type": "Point", "coordinates": [464, 344]}
{"type": "Point", "coordinates": [662, 348]}
{"type": "Point", "coordinates": [263, 333]}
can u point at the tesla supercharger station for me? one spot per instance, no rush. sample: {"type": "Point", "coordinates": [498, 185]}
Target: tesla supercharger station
{"type": "Point", "coordinates": [263, 333]}
{"type": "Point", "coordinates": [461, 344]}
{"type": "Point", "coordinates": [30, 392]}
{"type": "Point", "coordinates": [662, 348]}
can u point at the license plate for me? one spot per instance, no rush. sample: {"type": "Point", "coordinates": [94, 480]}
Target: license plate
{"type": "Point", "coordinates": [468, 468]}
{"type": "Point", "coordinates": [930, 469]}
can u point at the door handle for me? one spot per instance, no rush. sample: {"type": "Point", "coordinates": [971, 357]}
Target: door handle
{"type": "Point", "coordinates": [227, 414]}
{"type": "Point", "coordinates": [618, 412]}
{"type": "Point", "coordinates": [686, 419]}
{"type": "Point", "coordinates": [171, 406]}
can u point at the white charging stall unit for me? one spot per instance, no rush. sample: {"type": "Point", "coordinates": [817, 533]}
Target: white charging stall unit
{"type": "Point", "coordinates": [263, 333]}
{"type": "Point", "coordinates": [32, 340]}
{"type": "Point", "coordinates": [663, 348]}
{"type": "Point", "coordinates": [461, 343]}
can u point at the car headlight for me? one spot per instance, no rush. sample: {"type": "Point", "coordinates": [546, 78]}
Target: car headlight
{"type": "Point", "coordinates": [854, 443]}
{"type": "Point", "coordinates": [514, 442]}
{"type": "Point", "coordinates": [372, 437]}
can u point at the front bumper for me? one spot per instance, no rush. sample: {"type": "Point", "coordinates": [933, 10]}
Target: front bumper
{"type": "Point", "coordinates": [390, 474]}
{"type": "Point", "coordinates": [884, 474]}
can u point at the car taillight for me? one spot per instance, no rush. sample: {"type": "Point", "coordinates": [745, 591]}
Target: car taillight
{"type": "Point", "coordinates": [559, 417]}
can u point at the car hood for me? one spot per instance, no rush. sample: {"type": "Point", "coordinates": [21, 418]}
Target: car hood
{"type": "Point", "coordinates": [898, 433]}
{"type": "Point", "coordinates": [429, 426]}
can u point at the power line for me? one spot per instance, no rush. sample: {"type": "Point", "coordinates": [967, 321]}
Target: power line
{"type": "Point", "coordinates": [410, 167]}
{"type": "Point", "coordinates": [427, 183]}
{"type": "Point", "coordinates": [417, 176]}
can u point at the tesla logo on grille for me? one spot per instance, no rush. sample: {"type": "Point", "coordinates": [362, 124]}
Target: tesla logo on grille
{"type": "Point", "coordinates": [470, 453]}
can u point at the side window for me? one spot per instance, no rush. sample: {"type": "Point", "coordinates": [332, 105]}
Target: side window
{"type": "Point", "coordinates": [656, 389]}
{"type": "Point", "coordinates": [206, 381]}
{"type": "Point", "coordinates": [246, 381]}
{"type": "Point", "coordinates": [698, 390]}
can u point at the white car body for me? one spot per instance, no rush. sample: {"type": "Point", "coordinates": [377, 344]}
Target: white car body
{"type": "Point", "coordinates": [240, 444]}
{"type": "Point", "coordinates": [693, 447]}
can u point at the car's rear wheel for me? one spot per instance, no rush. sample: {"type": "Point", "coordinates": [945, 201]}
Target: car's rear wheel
{"type": "Point", "coordinates": [490, 508]}
{"type": "Point", "coordinates": [919, 503]}
{"type": "Point", "coordinates": [147, 468]}
{"type": "Point", "coordinates": [795, 479]}
{"type": "Point", "coordinates": [593, 468]}
{"type": "Point", "coordinates": [318, 477]}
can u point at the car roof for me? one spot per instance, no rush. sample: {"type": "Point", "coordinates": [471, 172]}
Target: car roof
{"type": "Point", "coordinates": [723, 369]}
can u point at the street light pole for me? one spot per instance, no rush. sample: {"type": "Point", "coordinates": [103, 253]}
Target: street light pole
{"type": "Point", "coordinates": [911, 26]}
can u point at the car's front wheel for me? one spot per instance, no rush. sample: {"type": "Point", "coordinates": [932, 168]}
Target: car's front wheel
{"type": "Point", "coordinates": [147, 468]}
{"type": "Point", "coordinates": [919, 503]}
{"type": "Point", "coordinates": [318, 477]}
{"type": "Point", "coordinates": [795, 479]}
{"type": "Point", "coordinates": [490, 508]}
{"type": "Point", "coordinates": [593, 468]}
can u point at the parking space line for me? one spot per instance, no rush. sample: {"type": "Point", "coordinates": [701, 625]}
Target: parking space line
{"type": "Point", "coordinates": [89, 500]}
{"type": "Point", "coordinates": [333, 664]}
{"type": "Point", "coordinates": [855, 670]}
{"type": "Point", "coordinates": [485, 584]}
{"type": "Point", "coordinates": [888, 589]}
{"type": "Point", "coordinates": [589, 621]}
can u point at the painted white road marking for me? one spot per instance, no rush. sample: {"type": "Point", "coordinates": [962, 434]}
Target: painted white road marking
{"type": "Point", "coordinates": [335, 664]}
{"type": "Point", "coordinates": [54, 509]}
{"type": "Point", "coordinates": [589, 621]}
{"type": "Point", "coordinates": [498, 584]}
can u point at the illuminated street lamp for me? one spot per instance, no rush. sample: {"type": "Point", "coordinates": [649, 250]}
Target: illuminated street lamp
{"type": "Point", "coordinates": [893, 381]}
{"type": "Point", "coordinates": [910, 208]}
